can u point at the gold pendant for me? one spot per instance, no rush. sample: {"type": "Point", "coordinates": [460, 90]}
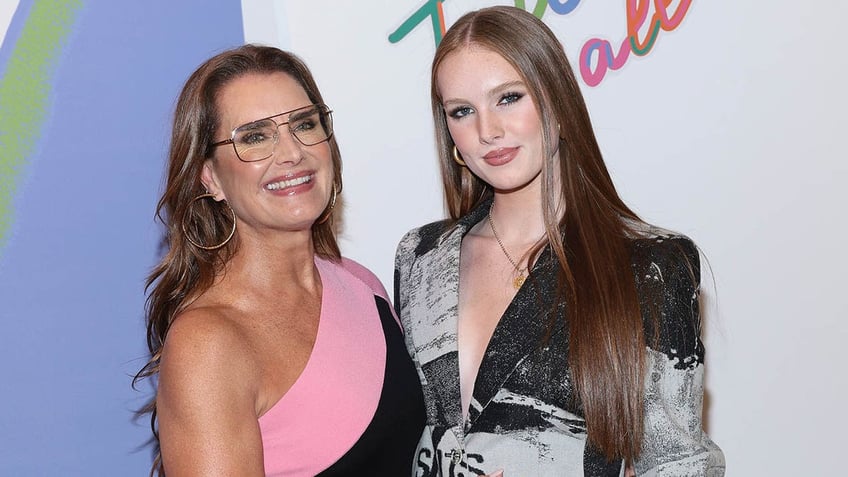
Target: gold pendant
{"type": "Point", "coordinates": [518, 281]}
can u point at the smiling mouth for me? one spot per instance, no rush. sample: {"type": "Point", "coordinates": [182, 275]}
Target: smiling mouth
{"type": "Point", "coordinates": [290, 182]}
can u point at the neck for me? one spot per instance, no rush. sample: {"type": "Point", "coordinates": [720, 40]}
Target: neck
{"type": "Point", "coordinates": [518, 217]}
{"type": "Point", "coordinates": [273, 263]}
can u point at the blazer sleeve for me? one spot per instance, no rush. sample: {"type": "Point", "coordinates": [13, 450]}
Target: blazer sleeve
{"type": "Point", "coordinates": [674, 442]}
{"type": "Point", "coordinates": [403, 260]}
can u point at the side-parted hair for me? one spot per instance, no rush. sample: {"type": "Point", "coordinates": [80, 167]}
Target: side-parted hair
{"type": "Point", "coordinates": [187, 271]}
{"type": "Point", "coordinates": [595, 279]}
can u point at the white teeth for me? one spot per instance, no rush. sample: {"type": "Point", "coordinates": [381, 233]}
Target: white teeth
{"type": "Point", "coordinates": [289, 183]}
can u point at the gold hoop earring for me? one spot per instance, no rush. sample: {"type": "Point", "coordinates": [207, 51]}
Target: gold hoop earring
{"type": "Point", "coordinates": [197, 244]}
{"type": "Point", "coordinates": [456, 157]}
{"type": "Point", "coordinates": [329, 211]}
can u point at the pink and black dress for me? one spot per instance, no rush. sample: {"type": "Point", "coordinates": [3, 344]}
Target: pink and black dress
{"type": "Point", "coordinates": [357, 408]}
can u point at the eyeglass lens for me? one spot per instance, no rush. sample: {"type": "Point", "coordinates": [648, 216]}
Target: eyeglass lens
{"type": "Point", "coordinates": [256, 141]}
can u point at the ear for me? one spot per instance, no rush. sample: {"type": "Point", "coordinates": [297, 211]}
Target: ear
{"type": "Point", "coordinates": [209, 179]}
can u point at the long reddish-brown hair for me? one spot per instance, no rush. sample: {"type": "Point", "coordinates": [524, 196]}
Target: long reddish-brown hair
{"type": "Point", "coordinates": [595, 278]}
{"type": "Point", "coordinates": [187, 271]}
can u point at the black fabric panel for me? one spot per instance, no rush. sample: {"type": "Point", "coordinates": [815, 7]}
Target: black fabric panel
{"type": "Point", "coordinates": [387, 447]}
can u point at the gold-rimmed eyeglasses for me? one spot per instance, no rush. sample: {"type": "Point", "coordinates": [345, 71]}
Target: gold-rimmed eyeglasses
{"type": "Point", "coordinates": [256, 140]}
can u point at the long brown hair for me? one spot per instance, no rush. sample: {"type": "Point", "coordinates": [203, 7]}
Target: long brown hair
{"type": "Point", "coordinates": [595, 278]}
{"type": "Point", "coordinates": [187, 271]}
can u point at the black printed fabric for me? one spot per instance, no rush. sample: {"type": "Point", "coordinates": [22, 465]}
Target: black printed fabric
{"type": "Point", "coordinates": [524, 416]}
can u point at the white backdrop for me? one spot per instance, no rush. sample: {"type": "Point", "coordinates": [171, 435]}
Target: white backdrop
{"type": "Point", "coordinates": [7, 9]}
{"type": "Point", "coordinates": [730, 130]}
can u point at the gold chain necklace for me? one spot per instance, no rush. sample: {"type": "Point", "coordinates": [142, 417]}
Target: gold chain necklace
{"type": "Point", "coordinates": [519, 280]}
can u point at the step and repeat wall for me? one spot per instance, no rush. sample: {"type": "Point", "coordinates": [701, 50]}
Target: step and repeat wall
{"type": "Point", "coordinates": [721, 120]}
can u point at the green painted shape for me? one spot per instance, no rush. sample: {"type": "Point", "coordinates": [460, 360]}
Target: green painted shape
{"type": "Point", "coordinates": [655, 30]}
{"type": "Point", "coordinates": [429, 9]}
{"type": "Point", "coordinates": [25, 93]}
{"type": "Point", "coordinates": [538, 10]}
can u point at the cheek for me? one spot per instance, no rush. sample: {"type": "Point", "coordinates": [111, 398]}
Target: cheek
{"type": "Point", "coordinates": [529, 125]}
{"type": "Point", "coordinates": [459, 132]}
{"type": "Point", "coordinates": [240, 177]}
{"type": "Point", "coordinates": [321, 159]}
{"type": "Point", "coordinates": [322, 153]}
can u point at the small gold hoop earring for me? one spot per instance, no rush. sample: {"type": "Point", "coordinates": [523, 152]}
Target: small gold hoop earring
{"type": "Point", "coordinates": [208, 247]}
{"type": "Point", "coordinates": [456, 157]}
{"type": "Point", "coordinates": [329, 211]}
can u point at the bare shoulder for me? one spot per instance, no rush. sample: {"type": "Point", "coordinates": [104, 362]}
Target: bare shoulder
{"type": "Point", "coordinates": [206, 347]}
{"type": "Point", "coordinates": [206, 401]}
{"type": "Point", "coordinates": [209, 331]}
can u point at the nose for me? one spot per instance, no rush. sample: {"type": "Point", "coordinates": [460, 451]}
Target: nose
{"type": "Point", "coordinates": [489, 127]}
{"type": "Point", "coordinates": [287, 149]}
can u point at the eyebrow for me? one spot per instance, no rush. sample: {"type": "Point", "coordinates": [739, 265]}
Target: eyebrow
{"type": "Point", "coordinates": [497, 90]}
{"type": "Point", "coordinates": [293, 114]}
{"type": "Point", "coordinates": [297, 114]}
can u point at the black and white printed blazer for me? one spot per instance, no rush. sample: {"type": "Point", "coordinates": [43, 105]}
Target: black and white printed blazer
{"type": "Point", "coordinates": [524, 415]}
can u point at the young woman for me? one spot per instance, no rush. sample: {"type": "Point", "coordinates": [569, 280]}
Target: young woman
{"type": "Point", "coordinates": [274, 355]}
{"type": "Point", "coordinates": [555, 332]}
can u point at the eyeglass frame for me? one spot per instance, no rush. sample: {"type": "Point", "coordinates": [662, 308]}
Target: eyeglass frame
{"type": "Point", "coordinates": [321, 106]}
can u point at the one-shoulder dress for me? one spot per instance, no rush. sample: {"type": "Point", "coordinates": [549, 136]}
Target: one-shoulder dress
{"type": "Point", "coordinates": [357, 408]}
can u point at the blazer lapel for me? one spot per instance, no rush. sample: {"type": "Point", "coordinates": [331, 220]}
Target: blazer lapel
{"type": "Point", "coordinates": [434, 302]}
{"type": "Point", "coordinates": [519, 332]}
{"type": "Point", "coordinates": [433, 305]}
{"type": "Point", "coordinates": [435, 296]}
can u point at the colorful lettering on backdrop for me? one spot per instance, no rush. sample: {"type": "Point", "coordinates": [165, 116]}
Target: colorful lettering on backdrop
{"type": "Point", "coordinates": [597, 55]}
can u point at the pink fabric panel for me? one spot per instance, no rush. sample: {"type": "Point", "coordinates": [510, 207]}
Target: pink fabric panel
{"type": "Point", "coordinates": [334, 399]}
{"type": "Point", "coordinates": [366, 276]}
{"type": "Point", "coordinates": [371, 280]}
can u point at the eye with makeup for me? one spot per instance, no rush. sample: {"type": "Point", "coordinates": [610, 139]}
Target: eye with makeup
{"type": "Point", "coordinates": [460, 112]}
{"type": "Point", "coordinates": [302, 124]}
{"type": "Point", "coordinates": [510, 97]}
{"type": "Point", "coordinates": [255, 133]}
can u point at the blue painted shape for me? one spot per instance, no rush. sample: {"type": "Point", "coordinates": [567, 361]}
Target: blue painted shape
{"type": "Point", "coordinates": [72, 273]}
{"type": "Point", "coordinates": [563, 8]}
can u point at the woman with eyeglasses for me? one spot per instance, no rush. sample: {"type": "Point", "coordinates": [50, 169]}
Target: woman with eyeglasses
{"type": "Point", "coordinates": [556, 332]}
{"type": "Point", "coordinates": [274, 355]}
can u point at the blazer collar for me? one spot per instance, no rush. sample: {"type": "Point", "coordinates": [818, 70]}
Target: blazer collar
{"type": "Point", "coordinates": [434, 319]}
{"type": "Point", "coordinates": [521, 331]}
